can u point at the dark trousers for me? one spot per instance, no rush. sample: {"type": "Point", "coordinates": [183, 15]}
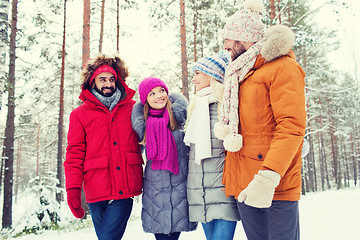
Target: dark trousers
{"type": "Point", "coordinates": [110, 218]}
{"type": "Point", "coordinates": [279, 222]}
{"type": "Point", "coordinates": [171, 236]}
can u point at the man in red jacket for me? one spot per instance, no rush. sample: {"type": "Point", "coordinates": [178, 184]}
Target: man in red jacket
{"type": "Point", "coordinates": [103, 154]}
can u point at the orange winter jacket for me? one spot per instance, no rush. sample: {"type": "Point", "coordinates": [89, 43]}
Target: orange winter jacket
{"type": "Point", "coordinates": [272, 122]}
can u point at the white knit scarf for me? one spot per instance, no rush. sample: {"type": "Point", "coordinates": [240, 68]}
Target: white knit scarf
{"type": "Point", "coordinates": [227, 127]}
{"type": "Point", "coordinates": [198, 129]}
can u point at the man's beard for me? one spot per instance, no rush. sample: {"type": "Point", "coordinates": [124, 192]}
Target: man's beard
{"type": "Point", "coordinates": [238, 51]}
{"type": "Point", "coordinates": [105, 94]}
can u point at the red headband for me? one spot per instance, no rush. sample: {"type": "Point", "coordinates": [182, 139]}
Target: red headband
{"type": "Point", "coordinates": [101, 69]}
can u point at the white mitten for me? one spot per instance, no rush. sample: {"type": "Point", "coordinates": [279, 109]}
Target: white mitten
{"type": "Point", "coordinates": [260, 191]}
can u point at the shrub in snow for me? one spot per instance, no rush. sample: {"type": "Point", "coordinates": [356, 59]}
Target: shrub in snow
{"type": "Point", "coordinates": [37, 208]}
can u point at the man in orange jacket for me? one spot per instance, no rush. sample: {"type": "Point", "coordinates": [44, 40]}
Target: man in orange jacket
{"type": "Point", "coordinates": [262, 122]}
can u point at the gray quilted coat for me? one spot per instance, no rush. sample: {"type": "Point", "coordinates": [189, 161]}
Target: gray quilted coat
{"type": "Point", "coordinates": [204, 187]}
{"type": "Point", "coordinates": [164, 202]}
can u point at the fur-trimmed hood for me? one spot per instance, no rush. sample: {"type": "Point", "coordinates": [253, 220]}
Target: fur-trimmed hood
{"type": "Point", "coordinates": [93, 63]}
{"type": "Point", "coordinates": [178, 106]}
{"type": "Point", "coordinates": [117, 64]}
{"type": "Point", "coordinates": [279, 40]}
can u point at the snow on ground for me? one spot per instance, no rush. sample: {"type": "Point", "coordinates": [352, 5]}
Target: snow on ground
{"type": "Point", "coordinates": [330, 215]}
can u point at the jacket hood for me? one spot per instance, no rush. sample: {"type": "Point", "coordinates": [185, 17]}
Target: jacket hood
{"type": "Point", "coordinates": [279, 40]}
{"type": "Point", "coordinates": [93, 63]}
{"type": "Point", "coordinates": [178, 106]}
{"type": "Point", "coordinates": [119, 66]}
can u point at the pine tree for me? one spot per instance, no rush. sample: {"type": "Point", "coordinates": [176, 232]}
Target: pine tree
{"type": "Point", "coordinates": [10, 126]}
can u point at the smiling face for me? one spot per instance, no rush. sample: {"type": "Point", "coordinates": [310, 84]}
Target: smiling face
{"type": "Point", "coordinates": [157, 98]}
{"type": "Point", "coordinates": [105, 84]}
{"type": "Point", "coordinates": [201, 80]}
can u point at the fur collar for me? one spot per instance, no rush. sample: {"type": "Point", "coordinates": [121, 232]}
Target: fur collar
{"type": "Point", "coordinates": [279, 40]}
{"type": "Point", "coordinates": [178, 107]}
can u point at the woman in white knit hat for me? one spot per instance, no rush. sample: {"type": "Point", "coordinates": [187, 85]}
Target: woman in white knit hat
{"type": "Point", "coordinates": [207, 201]}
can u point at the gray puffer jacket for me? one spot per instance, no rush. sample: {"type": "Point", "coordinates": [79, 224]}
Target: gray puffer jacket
{"type": "Point", "coordinates": [204, 187]}
{"type": "Point", "coordinates": [165, 208]}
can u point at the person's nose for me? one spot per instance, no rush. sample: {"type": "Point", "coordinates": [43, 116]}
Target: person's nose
{"type": "Point", "coordinates": [108, 83]}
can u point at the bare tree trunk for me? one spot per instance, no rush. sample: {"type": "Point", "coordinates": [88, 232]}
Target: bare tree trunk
{"type": "Point", "coordinates": [37, 149]}
{"type": "Point", "coordinates": [59, 174]}
{"type": "Point", "coordinates": [272, 11]}
{"type": "Point", "coordinates": [4, 9]}
{"type": "Point", "coordinates": [86, 56]}
{"type": "Point", "coordinates": [357, 150]}
{"type": "Point", "coordinates": [86, 32]}
{"type": "Point", "coordinates": [322, 165]}
{"type": "Point", "coordinates": [279, 11]}
{"type": "Point", "coordinates": [102, 25]}
{"type": "Point", "coordinates": [303, 191]}
{"type": "Point", "coordinates": [10, 127]}
{"type": "Point", "coordinates": [339, 169]}
{"type": "Point", "coordinates": [347, 171]}
{"type": "Point", "coordinates": [309, 165]}
{"type": "Point", "coordinates": [118, 26]}
{"type": "Point", "coordinates": [353, 153]}
{"type": "Point", "coordinates": [326, 164]}
{"type": "Point", "coordinates": [185, 87]}
{"type": "Point", "coordinates": [334, 152]}
{"type": "Point", "coordinates": [17, 175]}
{"type": "Point", "coordinates": [195, 33]}
{"type": "Point", "coordinates": [312, 167]}
{"type": "Point", "coordinates": [325, 170]}
{"type": "Point", "coordinates": [2, 170]}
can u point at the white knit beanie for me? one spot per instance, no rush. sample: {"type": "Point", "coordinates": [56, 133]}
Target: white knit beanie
{"type": "Point", "coordinates": [245, 25]}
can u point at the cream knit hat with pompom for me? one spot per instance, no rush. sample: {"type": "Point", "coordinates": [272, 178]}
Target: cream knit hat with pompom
{"type": "Point", "coordinates": [245, 25]}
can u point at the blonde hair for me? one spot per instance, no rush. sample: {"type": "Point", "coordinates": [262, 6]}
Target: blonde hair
{"type": "Point", "coordinates": [172, 123]}
{"type": "Point", "coordinates": [217, 89]}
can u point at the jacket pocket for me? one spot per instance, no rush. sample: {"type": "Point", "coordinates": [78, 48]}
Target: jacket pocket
{"type": "Point", "coordinates": [134, 171]}
{"type": "Point", "coordinates": [257, 153]}
{"type": "Point", "coordinates": [251, 160]}
{"type": "Point", "coordinates": [96, 177]}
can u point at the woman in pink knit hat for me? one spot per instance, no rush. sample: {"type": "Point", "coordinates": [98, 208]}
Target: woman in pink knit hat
{"type": "Point", "coordinates": [158, 119]}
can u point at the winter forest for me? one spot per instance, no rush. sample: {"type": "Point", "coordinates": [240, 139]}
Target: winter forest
{"type": "Point", "coordinates": [44, 43]}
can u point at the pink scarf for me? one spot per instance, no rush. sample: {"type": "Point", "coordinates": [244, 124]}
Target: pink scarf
{"type": "Point", "coordinates": [160, 142]}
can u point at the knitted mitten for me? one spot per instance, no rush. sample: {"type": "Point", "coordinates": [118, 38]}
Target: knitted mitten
{"type": "Point", "coordinates": [260, 191]}
{"type": "Point", "coordinates": [74, 202]}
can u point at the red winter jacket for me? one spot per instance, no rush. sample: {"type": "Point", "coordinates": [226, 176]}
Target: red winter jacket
{"type": "Point", "coordinates": [103, 151]}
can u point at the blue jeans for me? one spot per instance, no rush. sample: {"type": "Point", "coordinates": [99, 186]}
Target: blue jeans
{"type": "Point", "coordinates": [219, 229]}
{"type": "Point", "coordinates": [171, 236]}
{"type": "Point", "coordinates": [280, 221]}
{"type": "Point", "coordinates": [110, 218]}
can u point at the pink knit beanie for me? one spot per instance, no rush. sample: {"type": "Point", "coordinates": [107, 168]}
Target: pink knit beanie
{"type": "Point", "coordinates": [147, 84]}
{"type": "Point", "coordinates": [245, 25]}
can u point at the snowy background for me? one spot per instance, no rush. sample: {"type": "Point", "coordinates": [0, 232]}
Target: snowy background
{"type": "Point", "coordinates": [330, 215]}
